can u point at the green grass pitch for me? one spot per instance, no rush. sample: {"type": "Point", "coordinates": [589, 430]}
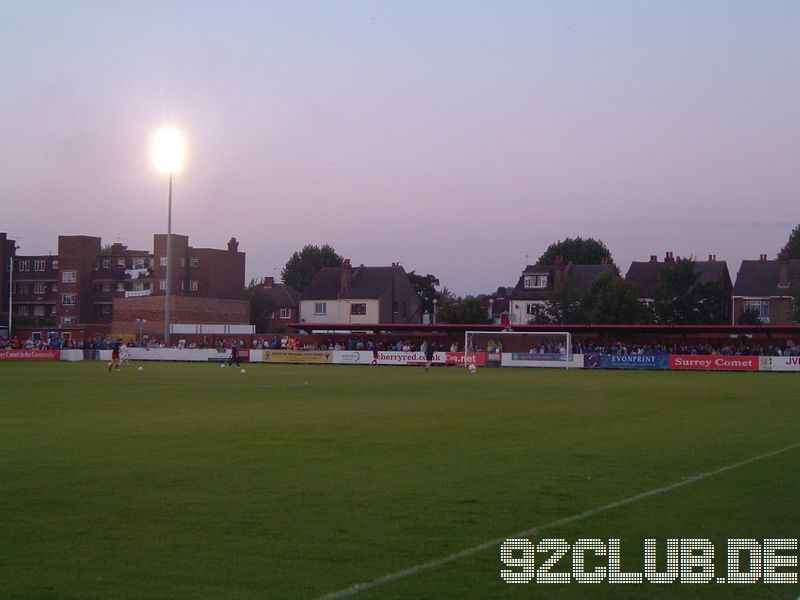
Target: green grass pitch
{"type": "Point", "coordinates": [194, 481]}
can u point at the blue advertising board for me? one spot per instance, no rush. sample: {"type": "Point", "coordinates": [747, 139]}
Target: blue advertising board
{"type": "Point", "coordinates": [634, 361]}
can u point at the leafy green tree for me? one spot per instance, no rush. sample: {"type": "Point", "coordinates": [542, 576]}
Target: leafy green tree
{"type": "Point", "coordinates": [612, 300]}
{"type": "Point", "coordinates": [304, 265]}
{"type": "Point", "coordinates": [462, 310]}
{"type": "Point", "coordinates": [578, 250]}
{"type": "Point", "coordinates": [262, 307]}
{"type": "Point", "coordinates": [680, 299]}
{"type": "Point", "coordinates": [563, 305]}
{"type": "Point", "coordinates": [793, 245]}
{"type": "Point", "coordinates": [425, 286]}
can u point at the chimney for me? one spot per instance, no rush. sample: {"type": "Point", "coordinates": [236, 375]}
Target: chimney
{"type": "Point", "coordinates": [653, 258]}
{"type": "Point", "coordinates": [668, 258]}
{"type": "Point", "coordinates": [233, 245]}
{"type": "Point", "coordinates": [269, 282]}
{"type": "Point", "coordinates": [605, 260]}
{"type": "Point", "coordinates": [559, 260]}
{"type": "Point", "coordinates": [763, 257]}
{"type": "Point", "coordinates": [783, 269]}
{"type": "Point", "coordinates": [346, 274]}
{"type": "Point", "coordinates": [712, 258]}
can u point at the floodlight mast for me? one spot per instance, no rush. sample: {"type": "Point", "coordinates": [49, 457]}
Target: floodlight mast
{"type": "Point", "coordinates": [168, 152]}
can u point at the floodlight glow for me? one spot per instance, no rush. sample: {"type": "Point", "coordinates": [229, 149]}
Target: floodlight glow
{"type": "Point", "coordinates": [168, 150]}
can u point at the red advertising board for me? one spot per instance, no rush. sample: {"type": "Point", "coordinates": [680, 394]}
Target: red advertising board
{"type": "Point", "coordinates": [713, 362]}
{"type": "Point", "coordinates": [30, 354]}
{"type": "Point", "coordinates": [457, 358]}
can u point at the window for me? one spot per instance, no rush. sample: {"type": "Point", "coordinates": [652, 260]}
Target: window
{"type": "Point", "coordinates": [163, 261]}
{"type": "Point", "coordinates": [38, 265]}
{"type": "Point", "coordinates": [535, 281]}
{"type": "Point", "coordinates": [138, 263]}
{"type": "Point", "coordinates": [121, 262]}
{"type": "Point", "coordinates": [320, 308]}
{"type": "Point", "coordinates": [162, 284]}
{"type": "Point", "coordinates": [105, 286]}
{"type": "Point", "coordinates": [286, 313]}
{"type": "Point", "coordinates": [121, 286]}
{"type": "Point", "coordinates": [55, 264]}
{"type": "Point", "coordinates": [22, 309]}
{"type": "Point", "coordinates": [531, 309]}
{"type": "Point", "coordinates": [53, 287]}
{"type": "Point", "coordinates": [759, 307]}
{"type": "Point", "coordinates": [183, 285]}
{"type": "Point", "coordinates": [194, 262]}
{"type": "Point", "coordinates": [138, 286]}
{"type": "Point", "coordinates": [67, 320]}
{"type": "Point", "coordinates": [359, 308]}
{"type": "Point", "coordinates": [68, 299]}
{"type": "Point", "coordinates": [151, 262]}
{"type": "Point", "coordinates": [38, 310]}
{"type": "Point", "coordinates": [38, 288]}
{"type": "Point", "coordinates": [23, 288]}
{"type": "Point", "coordinates": [69, 276]}
{"type": "Point", "coordinates": [105, 309]}
{"type": "Point", "coordinates": [193, 286]}
{"type": "Point", "coordinates": [183, 262]}
{"type": "Point", "coordinates": [106, 263]}
{"type": "Point", "coordinates": [23, 265]}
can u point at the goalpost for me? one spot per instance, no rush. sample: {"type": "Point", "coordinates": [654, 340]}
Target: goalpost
{"type": "Point", "coordinates": [521, 348]}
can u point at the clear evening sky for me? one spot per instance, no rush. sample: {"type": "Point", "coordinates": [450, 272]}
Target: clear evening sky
{"type": "Point", "coordinates": [454, 137]}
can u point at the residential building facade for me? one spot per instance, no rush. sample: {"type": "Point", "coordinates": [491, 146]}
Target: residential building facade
{"type": "Point", "coordinates": [77, 287]}
{"type": "Point", "coordinates": [537, 283]}
{"type": "Point", "coordinates": [360, 295]}
{"type": "Point", "coordinates": [766, 289]}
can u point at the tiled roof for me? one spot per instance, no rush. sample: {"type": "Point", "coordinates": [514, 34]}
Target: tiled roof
{"type": "Point", "coordinates": [281, 295]}
{"type": "Point", "coordinates": [582, 276]}
{"type": "Point", "coordinates": [365, 282]}
{"type": "Point", "coordinates": [759, 278]}
{"type": "Point", "coordinates": [644, 275]}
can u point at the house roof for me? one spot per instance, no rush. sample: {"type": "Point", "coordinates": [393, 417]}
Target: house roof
{"type": "Point", "coordinates": [644, 275]}
{"type": "Point", "coordinates": [582, 276]}
{"type": "Point", "coordinates": [759, 278]}
{"type": "Point", "coordinates": [281, 294]}
{"type": "Point", "coordinates": [365, 282]}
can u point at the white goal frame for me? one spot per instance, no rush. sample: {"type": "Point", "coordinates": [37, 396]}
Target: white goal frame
{"type": "Point", "coordinates": [468, 335]}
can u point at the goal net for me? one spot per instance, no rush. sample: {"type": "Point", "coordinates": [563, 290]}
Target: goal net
{"type": "Point", "coordinates": [518, 349]}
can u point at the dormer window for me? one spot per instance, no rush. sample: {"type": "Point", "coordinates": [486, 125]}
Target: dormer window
{"type": "Point", "coordinates": [535, 281]}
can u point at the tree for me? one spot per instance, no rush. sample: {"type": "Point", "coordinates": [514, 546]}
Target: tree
{"type": "Point", "coordinates": [262, 307]}
{"type": "Point", "coordinates": [578, 250]}
{"type": "Point", "coordinates": [425, 286]}
{"type": "Point", "coordinates": [679, 298]}
{"type": "Point", "coordinates": [563, 304]}
{"type": "Point", "coordinates": [612, 300]}
{"type": "Point", "coordinates": [462, 310]}
{"type": "Point", "coordinates": [793, 245]}
{"type": "Point", "coordinates": [796, 305]}
{"type": "Point", "coordinates": [304, 265]}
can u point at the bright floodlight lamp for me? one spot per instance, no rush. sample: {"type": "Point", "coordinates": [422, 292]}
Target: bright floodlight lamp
{"type": "Point", "coordinates": [168, 151]}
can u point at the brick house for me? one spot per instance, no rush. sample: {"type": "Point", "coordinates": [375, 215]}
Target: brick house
{"type": "Point", "coordinates": [536, 284]}
{"type": "Point", "coordinates": [78, 287]}
{"type": "Point", "coordinates": [645, 275]}
{"type": "Point", "coordinates": [360, 295]}
{"type": "Point", "coordinates": [767, 287]}
{"type": "Point", "coordinates": [284, 299]}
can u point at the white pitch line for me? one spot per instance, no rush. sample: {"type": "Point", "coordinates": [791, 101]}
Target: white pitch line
{"type": "Point", "coordinates": [360, 587]}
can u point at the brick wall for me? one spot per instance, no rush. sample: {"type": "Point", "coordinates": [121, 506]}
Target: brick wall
{"type": "Point", "coordinates": [183, 309]}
